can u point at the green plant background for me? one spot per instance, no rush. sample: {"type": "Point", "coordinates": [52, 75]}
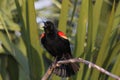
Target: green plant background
{"type": "Point", "coordinates": [93, 28]}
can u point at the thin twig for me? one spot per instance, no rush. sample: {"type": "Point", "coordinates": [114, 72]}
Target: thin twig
{"type": "Point", "coordinates": [90, 64]}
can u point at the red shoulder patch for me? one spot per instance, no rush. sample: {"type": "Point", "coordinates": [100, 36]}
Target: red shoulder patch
{"type": "Point", "coordinates": [61, 34]}
{"type": "Point", "coordinates": [42, 35]}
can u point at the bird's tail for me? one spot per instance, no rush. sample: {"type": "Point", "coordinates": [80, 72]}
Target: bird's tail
{"type": "Point", "coordinates": [66, 70]}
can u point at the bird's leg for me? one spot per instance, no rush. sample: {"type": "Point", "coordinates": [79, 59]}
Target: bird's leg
{"type": "Point", "coordinates": [52, 67]}
{"type": "Point", "coordinates": [55, 60]}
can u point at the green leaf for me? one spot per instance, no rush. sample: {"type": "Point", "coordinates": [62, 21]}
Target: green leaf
{"type": "Point", "coordinates": [117, 16]}
{"type": "Point", "coordinates": [13, 68]}
{"type": "Point", "coordinates": [74, 9]}
{"type": "Point", "coordinates": [1, 77]}
{"type": "Point", "coordinates": [63, 16]}
{"type": "Point", "coordinates": [3, 71]}
{"type": "Point", "coordinates": [34, 51]}
{"type": "Point", "coordinates": [81, 34]}
{"type": "Point", "coordinates": [81, 28]}
{"type": "Point", "coordinates": [104, 46]}
{"type": "Point", "coordinates": [16, 53]}
{"type": "Point", "coordinates": [31, 38]}
{"type": "Point", "coordinates": [89, 43]}
{"type": "Point", "coordinates": [116, 66]}
{"type": "Point", "coordinates": [97, 10]}
{"type": "Point", "coordinates": [9, 23]}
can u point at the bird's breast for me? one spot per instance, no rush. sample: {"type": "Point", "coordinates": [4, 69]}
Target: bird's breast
{"type": "Point", "coordinates": [56, 46]}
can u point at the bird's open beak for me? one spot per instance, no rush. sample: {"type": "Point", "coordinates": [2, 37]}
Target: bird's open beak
{"type": "Point", "coordinates": [44, 24]}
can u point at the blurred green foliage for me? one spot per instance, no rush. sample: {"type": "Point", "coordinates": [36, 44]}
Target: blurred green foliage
{"type": "Point", "coordinates": [92, 26]}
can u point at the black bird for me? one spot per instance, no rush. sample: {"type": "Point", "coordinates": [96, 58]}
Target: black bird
{"type": "Point", "coordinates": [57, 44]}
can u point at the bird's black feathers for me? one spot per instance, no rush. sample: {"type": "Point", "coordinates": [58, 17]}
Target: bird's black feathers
{"type": "Point", "coordinates": [59, 47]}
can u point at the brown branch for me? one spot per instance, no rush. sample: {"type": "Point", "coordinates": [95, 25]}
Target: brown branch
{"type": "Point", "coordinates": [90, 64]}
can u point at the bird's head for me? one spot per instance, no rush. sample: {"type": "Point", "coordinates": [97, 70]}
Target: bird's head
{"type": "Point", "coordinates": [49, 27]}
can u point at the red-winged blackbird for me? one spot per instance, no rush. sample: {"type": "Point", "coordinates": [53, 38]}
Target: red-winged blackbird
{"type": "Point", "coordinates": [57, 44]}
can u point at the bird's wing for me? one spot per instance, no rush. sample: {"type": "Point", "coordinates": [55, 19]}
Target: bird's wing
{"type": "Point", "coordinates": [61, 34]}
{"type": "Point", "coordinates": [66, 42]}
